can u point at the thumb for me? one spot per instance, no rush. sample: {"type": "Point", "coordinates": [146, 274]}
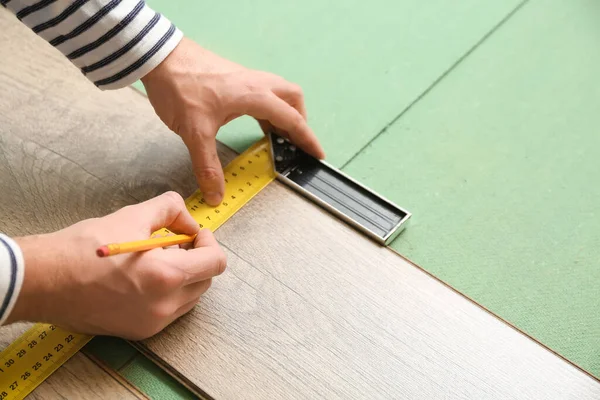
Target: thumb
{"type": "Point", "coordinates": [165, 211]}
{"type": "Point", "coordinates": [207, 166]}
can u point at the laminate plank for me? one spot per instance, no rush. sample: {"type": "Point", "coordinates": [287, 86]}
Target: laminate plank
{"type": "Point", "coordinates": [78, 378]}
{"type": "Point", "coordinates": [307, 308]}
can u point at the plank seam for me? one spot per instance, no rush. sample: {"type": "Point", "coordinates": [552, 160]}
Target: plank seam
{"type": "Point", "coordinates": [437, 81]}
{"type": "Point", "coordinates": [115, 375]}
{"type": "Point", "coordinates": [496, 316]}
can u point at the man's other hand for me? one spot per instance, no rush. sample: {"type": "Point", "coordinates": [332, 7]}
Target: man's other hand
{"type": "Point", "coordinates": [195, 92]}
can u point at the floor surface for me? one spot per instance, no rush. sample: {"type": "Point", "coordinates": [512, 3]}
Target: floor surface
{"type": "Point", "coordinates": [481, 119]}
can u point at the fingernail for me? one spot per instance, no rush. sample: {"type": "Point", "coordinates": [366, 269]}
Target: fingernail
{"type": "Point", "coordinates": [213, 198]}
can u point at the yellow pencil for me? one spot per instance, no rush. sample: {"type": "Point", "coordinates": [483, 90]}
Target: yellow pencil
{"type": "Point", "coordinates": [142, 245]}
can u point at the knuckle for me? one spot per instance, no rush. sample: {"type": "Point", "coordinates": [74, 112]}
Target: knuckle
{"type": "Point", "coordinates": [191, 306]}
{"type": "Point", "coordinates": [207, 286]}
{"type": "Point", "coordinates": [258, 96]}
{"type": "Point", "coordinates": [297, 122]}
{"type": "Point", "coordinates": [296, 90]}
{"type": "Point", "coordinates": [251, 100]}
{"type": "Point", "coordinates": [208, 173]}
{"type": "Point", "coordinates": [199, 134]}
{"type": "Point", "coordinates": [203, 135]}
{"type": "Point", "coordinates": [251, 87]}
{"type": "Point", "coordinates": [159, 313]}
{"type": "Point", "coordinates": [167, 279]}
{"type": "Point", "coordinates": [221, 263]}
{"type": "Point", "coordinates": [175, 198]}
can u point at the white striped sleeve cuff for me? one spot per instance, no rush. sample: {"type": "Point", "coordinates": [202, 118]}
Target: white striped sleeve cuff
{"type": "Point", "coordinates": [11, 275]}
{"type": "Point", "coordinates": [113, 42]}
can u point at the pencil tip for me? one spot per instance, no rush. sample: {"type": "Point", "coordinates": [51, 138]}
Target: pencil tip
{"type": "Point", "coordinates": [102, 251]}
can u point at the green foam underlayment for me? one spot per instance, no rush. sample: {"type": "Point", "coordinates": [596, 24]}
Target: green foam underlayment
{"type": "Point", "coordinates": [500, 164]}
{"type": "Point", "coordinates": [153, 381]}
{"type": "Point", "coordinates": [138, 370]}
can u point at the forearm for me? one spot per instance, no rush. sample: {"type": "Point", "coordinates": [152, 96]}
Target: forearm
{"type": "Point", "coordinates": [113, 42]}
{"type": "Point", "coordinates": [12, 270]}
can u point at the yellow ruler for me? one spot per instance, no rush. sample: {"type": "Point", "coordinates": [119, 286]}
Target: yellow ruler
{"type": "Point", "coordinates": [34, 356]}
{"type": "Point", "coordinates": [41, 350]}
{"type": "Point", "coordinates": [245, 177]}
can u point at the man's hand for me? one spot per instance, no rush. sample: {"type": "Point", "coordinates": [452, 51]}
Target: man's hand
{"type": "Point", "coordinates": [128, 295]}
{"type": "Point", "coordinates": [195, 92]}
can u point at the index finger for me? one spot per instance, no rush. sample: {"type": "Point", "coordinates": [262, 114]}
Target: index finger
{"type": "Point", "coordinates": [206, 260]}
{"type": "Point", "coordinates": [205, 238]}
{"type": "Point", "coordinates": [282, 115]}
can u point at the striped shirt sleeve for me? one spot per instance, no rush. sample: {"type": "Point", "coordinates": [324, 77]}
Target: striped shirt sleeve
{"type": "Point", "coordinates": [11, 275]}
{"type": "Point", "coordinates": [113, 42]}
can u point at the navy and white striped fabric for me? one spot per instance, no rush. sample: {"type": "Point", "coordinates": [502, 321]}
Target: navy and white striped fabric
{"type": "Point", "coordinates": [11, 275]}
{"type": "Point", "coordinates": [113, 42]}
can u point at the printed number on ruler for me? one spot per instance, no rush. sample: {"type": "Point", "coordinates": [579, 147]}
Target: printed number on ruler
{"type": "Point", "coordinates": [245, 177]}
{"type": "Point", "coordinates": [30, 359]}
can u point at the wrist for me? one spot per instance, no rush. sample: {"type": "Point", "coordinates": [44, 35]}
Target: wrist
{"type": "Point", "coordinates": [161, 71]}
{"type": "Point", "coordinates": [185, 58]}
{"type": "Point", "coordinates": [32, 302]}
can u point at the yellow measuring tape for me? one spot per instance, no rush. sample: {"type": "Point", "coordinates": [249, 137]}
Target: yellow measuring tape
{"type": "Point", "coordinates": [42, 349]}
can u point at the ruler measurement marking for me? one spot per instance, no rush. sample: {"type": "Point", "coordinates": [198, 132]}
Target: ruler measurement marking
{"type": "Point", "coordinates": [32, 361]}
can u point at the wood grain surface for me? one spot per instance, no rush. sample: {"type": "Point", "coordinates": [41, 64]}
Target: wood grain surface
{"type": "Point", "coordinates": [78, 378]}
{"type": "Point", "coordinates": [308, 308]}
